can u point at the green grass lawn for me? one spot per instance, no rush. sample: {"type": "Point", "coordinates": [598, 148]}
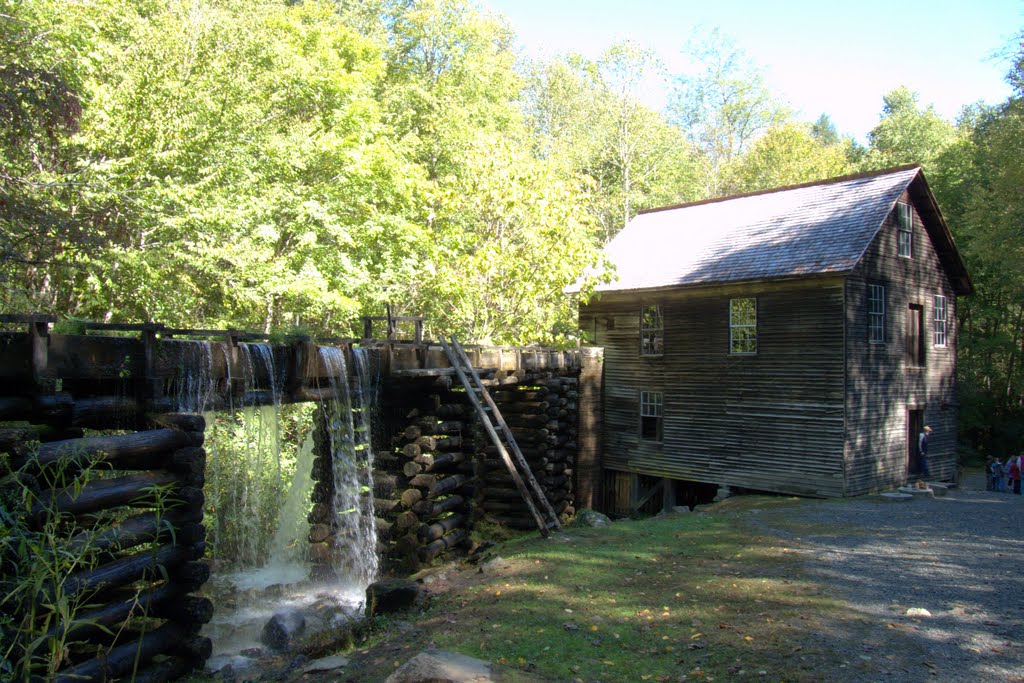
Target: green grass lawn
{"type": "Point", "coordinates": [699, 596]}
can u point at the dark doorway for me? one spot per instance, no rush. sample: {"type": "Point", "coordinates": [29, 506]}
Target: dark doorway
{"type": "Point", "coordinates": [915, 424]}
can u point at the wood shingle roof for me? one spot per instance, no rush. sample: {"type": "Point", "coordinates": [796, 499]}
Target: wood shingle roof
{"type": "Point", "coordinates": [813, 229]}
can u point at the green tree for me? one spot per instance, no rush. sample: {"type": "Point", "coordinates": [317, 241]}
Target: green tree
{"type": "Point", "coordinates": [787, 155]}
{"type": "Point", "coordinates": [587, 116]}
{"type": "Point", "coordinates": [41, 91]}
{"type": "Point", "coordinates": [513, 233]}
{"type": "Point", "coordinates": [977, 181]}
{"type": "Point", "coordinates": [907, 134]}
{"type": "Point", "coordinates": [724, 107]}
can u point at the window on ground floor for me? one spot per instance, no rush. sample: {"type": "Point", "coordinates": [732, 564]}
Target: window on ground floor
{"type": "Point", "coordinates": [650, 415]}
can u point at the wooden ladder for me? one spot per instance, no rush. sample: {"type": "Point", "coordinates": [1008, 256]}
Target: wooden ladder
{"type": "Point", "coordinates": [501, 436]}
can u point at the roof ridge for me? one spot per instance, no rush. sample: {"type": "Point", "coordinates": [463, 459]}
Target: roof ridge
{"type": "Point", "coordinates": [784, 188]}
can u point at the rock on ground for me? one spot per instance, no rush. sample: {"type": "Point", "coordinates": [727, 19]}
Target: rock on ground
{"type": "Point", "coordinates": [391, 595]}
{"type": "Point", "coordinates": [591, 518]}
{"type": "Point", "coordinates": [439, 666]}
{"type": "Point", "coordinates": [326, 664]}
{"type": "Point", "coordinates": [283, 628]}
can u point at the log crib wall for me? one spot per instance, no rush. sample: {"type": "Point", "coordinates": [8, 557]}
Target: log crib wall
{"type": "Point", "coordinates": [132, 495]}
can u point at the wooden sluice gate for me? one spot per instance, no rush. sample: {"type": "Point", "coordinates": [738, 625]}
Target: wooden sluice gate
{"type": "Point", "coordinates": [102, 430]}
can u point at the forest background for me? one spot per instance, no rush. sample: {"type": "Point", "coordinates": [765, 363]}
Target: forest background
{"type": "Point", "coordinates": [293, 165]}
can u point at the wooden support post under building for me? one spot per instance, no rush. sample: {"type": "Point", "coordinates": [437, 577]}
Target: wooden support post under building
{"type": "Point", "coordinates": [591, 399]}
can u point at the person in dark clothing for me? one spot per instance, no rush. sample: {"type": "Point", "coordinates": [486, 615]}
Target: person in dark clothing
{"type": "Point", "coordinates": [922, 451]}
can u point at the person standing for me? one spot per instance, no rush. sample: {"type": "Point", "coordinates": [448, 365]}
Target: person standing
{"type": "Point", "coordinates": [1013, 474]}
{"type": "Point", "coordinates": [998, 475]}
{"type": "Point", "coordinates": [922, 451]}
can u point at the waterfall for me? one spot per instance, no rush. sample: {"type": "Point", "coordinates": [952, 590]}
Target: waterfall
{"type": "Point", "coordinates": [259, 481]}
{"type": "Point", "coordinates": [195, 383]}
{"type": "Point", "coordinates": [351, 452]}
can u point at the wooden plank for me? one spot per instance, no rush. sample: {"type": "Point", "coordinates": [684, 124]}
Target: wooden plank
{"type": "Point", "coordinates": [471, 393]}
{"type": "Point", "coordinates": [509, 439]}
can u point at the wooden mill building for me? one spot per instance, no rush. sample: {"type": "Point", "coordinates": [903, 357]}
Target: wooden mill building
{"type": "Point", "coordinates": [793, 340]}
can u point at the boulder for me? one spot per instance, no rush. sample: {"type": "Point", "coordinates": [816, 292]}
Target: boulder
{"type": "Point", "coordinates": [590, 518]}
{"type": "Point", "coordinates": [281, 632]}
{"type": "Point", "coordinates": [326, 664]}
{"type": "Point", "coordinates": [439, 666]}
{"type": "Point", "coordinates": [391, 595]}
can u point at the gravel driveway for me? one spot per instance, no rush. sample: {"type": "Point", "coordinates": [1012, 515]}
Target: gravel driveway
{"type": "Point", "coordinates": [960, 557]}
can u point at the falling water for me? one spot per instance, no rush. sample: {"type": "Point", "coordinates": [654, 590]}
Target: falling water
{"type": "Point", "coordinates": [257, 511]}
{"type": "Point", "coordinates": [352, 460]}
{"type": "Point", "coordinates": [195, 384]}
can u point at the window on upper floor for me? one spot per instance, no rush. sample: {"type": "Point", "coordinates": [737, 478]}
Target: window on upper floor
{"type": "Point", "coordinates": [905, 230]}
{"type": "Point", "coordinates": [743, 326]}
{"type": "Point", "coordinates": [939, 329]}
{"type": "Point", "coordinates": [652, 331]}
{"type": "Point", "coordinates": [650, 415]}
{"type": "Point", "coordinates": [915, 336]}
{"type": "Point", "coordinates": [876, 314]}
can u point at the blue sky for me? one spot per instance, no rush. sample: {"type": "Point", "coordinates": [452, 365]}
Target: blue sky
{"type": "Point", "coordinates": [819, 57]}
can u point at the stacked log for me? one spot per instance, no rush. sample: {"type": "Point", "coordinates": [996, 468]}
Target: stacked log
{"type": "Point", "coordinates": [424, 485]}
{"type": "Point", "coordinates": [542, 415]}
{"type": "Point", "coordinates": [130, 507]}
{"type": "Point", "coordinates": [321, 516]}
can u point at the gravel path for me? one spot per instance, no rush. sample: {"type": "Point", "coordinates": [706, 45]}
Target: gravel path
{"type": "Point", "coordinates": [960, 557]}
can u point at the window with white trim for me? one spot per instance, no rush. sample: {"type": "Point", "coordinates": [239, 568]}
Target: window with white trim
{"type": "Point", "coordinates": [939, 329]}
{"type": "Point", "coordinates": [652, 331]}
{"type": "Point", "coordinates": [743, 326]}
{"type": "Point", "coordinates": [876, 314]}
{"type": "Point", "coordinates": [905, 230]}
{"type": "Point", "coordinates": [650, 415]}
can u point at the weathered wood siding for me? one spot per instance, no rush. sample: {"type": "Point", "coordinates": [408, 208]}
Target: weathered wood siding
{"type": "Point", "coordinates": [881, 387]}
{"type": "Point", "coordinates": [771, 421]}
